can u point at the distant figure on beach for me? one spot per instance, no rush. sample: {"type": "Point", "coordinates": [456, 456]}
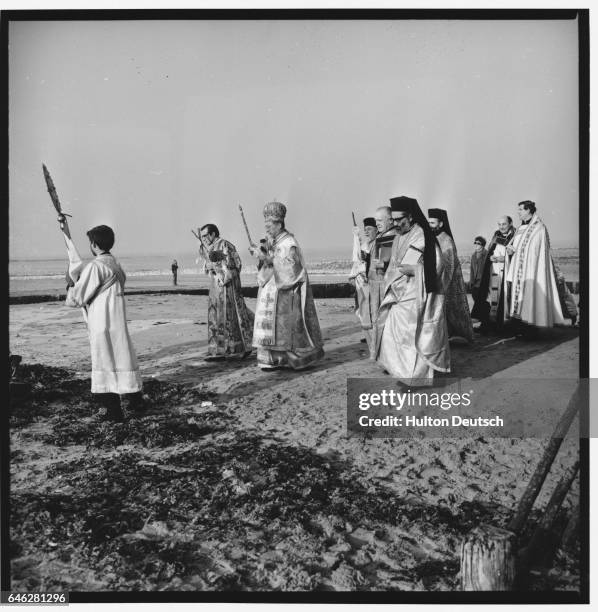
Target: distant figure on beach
{"type": "Point", "coordinates": [489, 308]}
{"type": "Point", "coordinates": [287, 330]}
{"type": "Point", "coordinates": [476, 272]}
{"type": "Point", "coordinates": [362, 244]}
{"type": "Point", "coordinates": [174, 267]}
{"type": "Point", "coordinates": [230, 322]}
{"type": "Point", "coordinates": [412, 331]}
{"type": "Point", "coordinates": [456, 306]}
{"type": "Point", "coordinates": [115, 379]}
{"type": "Point", "coordinates": [378, 261]}
{"type": "Point", "coordinates": [532, 292]}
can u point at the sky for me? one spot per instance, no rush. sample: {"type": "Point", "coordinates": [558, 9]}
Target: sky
{"type": "Point", "coordinates": [157, 127]}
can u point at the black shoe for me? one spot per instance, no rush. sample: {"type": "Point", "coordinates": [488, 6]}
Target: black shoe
{"type": "Point", "coordinates": [133, 405]}
{"type": "Point", "coordinates": [107, 415]}
{"type": "Point", "coordinates": [108, 407]}
{"type": "Point", "coordinates": [363, 340]}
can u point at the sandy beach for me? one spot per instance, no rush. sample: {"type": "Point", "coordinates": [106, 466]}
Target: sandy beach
{"type": "Point", "coordinates": [255, 481]}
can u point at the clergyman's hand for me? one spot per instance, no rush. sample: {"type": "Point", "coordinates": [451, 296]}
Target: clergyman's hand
{"type": "Point", "coordinates": [407, 269]}
{"type": "Point", "coordinates": [61, 221]}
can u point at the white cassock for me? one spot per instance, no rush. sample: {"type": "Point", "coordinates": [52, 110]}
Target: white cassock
{"type": "Point", "coordinates": [100, 292]}
{"type": "Point", "coordinates": [533, 296]}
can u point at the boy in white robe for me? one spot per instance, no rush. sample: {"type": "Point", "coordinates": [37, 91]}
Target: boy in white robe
{"type": "Point", "coordinates": [100, 292]}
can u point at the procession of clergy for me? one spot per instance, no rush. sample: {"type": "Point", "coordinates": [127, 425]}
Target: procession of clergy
{"type": "Point", "coordinates": [410, 296]}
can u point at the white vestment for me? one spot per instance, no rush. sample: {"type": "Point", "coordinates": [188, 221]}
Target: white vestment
{"type": "Point", "coordinates": [533, 297]}
{"type": "Point", "coordinates": [100, 291]}
{"type": "Point", "coordinates": [412, 329]}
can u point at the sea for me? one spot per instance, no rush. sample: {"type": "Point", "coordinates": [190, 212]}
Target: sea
{"type": "Point", "coordinates": [35, 276]}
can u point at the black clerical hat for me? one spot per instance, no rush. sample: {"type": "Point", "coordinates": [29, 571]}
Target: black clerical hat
{"type": "Point", "coordinates": [437, 213]}
{"type": "Point", "coordinates": [404, 204]}
{"type": "Point", "coordinates": [369, 222]}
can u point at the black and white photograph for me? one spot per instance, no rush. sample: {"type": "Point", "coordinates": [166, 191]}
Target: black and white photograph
{"type": "Point", "coordinates": [298, 306]}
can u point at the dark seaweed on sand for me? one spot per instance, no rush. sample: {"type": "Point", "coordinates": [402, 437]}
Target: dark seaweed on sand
{"type": "Point", "coordinates": [196, 502]}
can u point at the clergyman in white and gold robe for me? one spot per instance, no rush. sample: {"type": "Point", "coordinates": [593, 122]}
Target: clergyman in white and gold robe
{"type": "Point", "coordinates": [532, 292]}
{"type": "Point", "coordinates": [230, 322]}
{"type": "Point", "coordinates": [286, 331]}
{"type": "Point", "coordinates": [412, 329]}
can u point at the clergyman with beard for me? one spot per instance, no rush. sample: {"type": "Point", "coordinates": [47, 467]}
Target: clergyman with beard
{"type": "Point", "coordinates": [412, 330]}
{"type": "Point", "coordinates": [456, 305]}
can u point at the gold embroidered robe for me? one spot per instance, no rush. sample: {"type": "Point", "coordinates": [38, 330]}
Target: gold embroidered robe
{"type": "Point", "coordinates": [412, 330]}
{"type": "Point", "coordinates": [532, 293]}
{"type": "Point", "coordinates": [456, 305]}
{"type": "Point", "coordinates": [230, 321]}
{"type": "Point", "coordinates": [286, 330]}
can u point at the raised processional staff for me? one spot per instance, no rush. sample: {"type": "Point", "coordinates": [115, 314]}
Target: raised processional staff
{"type": "Point", "coordinates": [252, 244]}
{"type": "Point", "coordinates": [75, 262]}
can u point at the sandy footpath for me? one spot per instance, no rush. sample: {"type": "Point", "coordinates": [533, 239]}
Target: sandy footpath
{"type": "Point", "coordinates": [308, 409]}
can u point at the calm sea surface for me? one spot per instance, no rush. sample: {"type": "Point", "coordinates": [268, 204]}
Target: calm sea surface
{"type": "Point", "coordinates": [47, 275]}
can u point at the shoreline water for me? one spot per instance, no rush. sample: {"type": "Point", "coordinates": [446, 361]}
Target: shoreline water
{"type": "Point", "coordinates": [43, 277]}
{"type": "Point", "coordinates": [320, 290]}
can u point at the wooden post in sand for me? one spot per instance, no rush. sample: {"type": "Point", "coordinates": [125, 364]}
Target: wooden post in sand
{"type": "Point", "coordinates": [488, 559]}
{"type": "Point", "coordinates": [570, 533]}
{"type": "Point", "coordinates": [535, 484]}
{"type": "Point", "coordinates": [543, 543]}
{"type": "Point", "coordinates": [489, 554]}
